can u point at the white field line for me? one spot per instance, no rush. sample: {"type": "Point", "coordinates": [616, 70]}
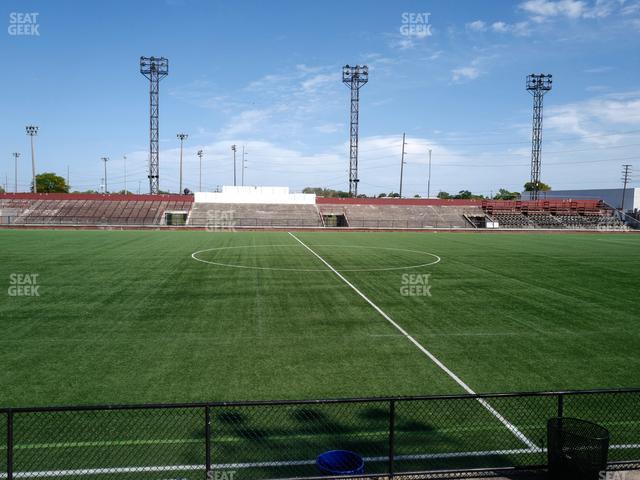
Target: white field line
{"type": "Point", "coordinates": [284, 463]}
{"type": "Point", "coordinates": [511, 427]}
{"type": "Point", "coordinates": [231, 466]}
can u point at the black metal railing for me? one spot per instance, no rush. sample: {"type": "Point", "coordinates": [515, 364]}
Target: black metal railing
{"type": "Point", "coordinates": [432, 435]}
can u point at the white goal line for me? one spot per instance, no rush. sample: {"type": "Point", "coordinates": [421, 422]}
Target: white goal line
{"type": "Point", "coordinates": [510, 426]}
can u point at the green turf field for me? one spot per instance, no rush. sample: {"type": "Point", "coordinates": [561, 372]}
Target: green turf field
{"type": "Point", "coordinates": [132, 317]}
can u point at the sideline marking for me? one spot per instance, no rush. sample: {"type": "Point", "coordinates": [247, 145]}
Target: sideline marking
{"type": "Point", "coordinates": [511, 427]}
{"type": "Point", "coordinates": [249, 267]}
{"type": "Point", "coordinates": [275, 463]}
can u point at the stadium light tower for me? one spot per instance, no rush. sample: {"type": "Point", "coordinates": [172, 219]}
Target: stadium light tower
{"type": "Point", "coordinates": [234, 148]}
{"type": "Point", "coordinates": [182, 137]}
{"type": "Point", "coordinates": [200, 153]}
{"type": "Point", "coordinates": [537, 85]}
{"type": "Point", "coordinates": [16, 155]}
{"type": "Point", "coordinates": [105, 160]}
{"type": "Point", "coordinates": [154, 69]}
{"type": "Point", "coordinates": [32, 131]}
{"type": "Point", "coordinates": [354, 77]}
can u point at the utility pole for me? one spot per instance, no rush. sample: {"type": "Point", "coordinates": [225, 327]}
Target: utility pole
{"type": "Point", "coordinates": [124, 161]}
{"type": "Point", "coordinates": [626, 174]}
{"type": "Point", "coordinates": [154, 69]}
{"type": "Point", "coordinates": [537, 85]}
{"type": "Point", "coordinates": [429, 178]}
{"type": "Point", "coordinates": [182, 137]}
{"type": "Point", "coordinates": [402, 163]}
{"type": "Point", "coordinates": [16, 155]}
{"type": "Point", "coordinates": [32, 131]}
{"type": "Point", "coordinates": [105, 160]}
{"type": "Point", "coordinates": [139, 182]}
{"type": "Point", "coordinates": [233, 147]}
{"type": "Point", "coordinates": [354, 77]}
{"type": "Point", "coordinates": [244, 153]}
{"type": "Point", "coordinates": [68, 184]}
{"type": "Point", "coordinates": [200, 152]}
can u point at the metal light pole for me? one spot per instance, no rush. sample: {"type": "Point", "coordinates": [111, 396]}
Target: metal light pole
{"type": "Point", "coordinates": [200, 152]}
{"type": "Point", "coordinates": [354, 77]}
{"type": "Point", "coordinates": [429, 178]}
{"type": "Point", "coordinates": [243, 164]}
{"type": "Point", "coordinates": [234, 147]}
{"type": "Point", "coordinates": [537, 85]}
{"type": "Point", "coordinates": [16, 155]}
{"type": "Point", "coordinates": [182, 137]}
{"type": "Point", "coordinates": [402, 163]}
{"type": "Point", "coordinates": [124, 161]}
{"type": "Point", "coordinates": [105, 160]}
{"type": "Point", "coordinates": [626, 173]}
{"type": "Point", "coordinates": [32, 131]}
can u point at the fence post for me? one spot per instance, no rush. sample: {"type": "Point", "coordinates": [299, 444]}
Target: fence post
{"type": "Point", "coordinates": [392, 436]}
{"type": "Point", "coordinates": [207, 440]}
{"type": "Point", "coordinates": [10, 445]}
{"type": "Point", "coordinates": [560, 405]}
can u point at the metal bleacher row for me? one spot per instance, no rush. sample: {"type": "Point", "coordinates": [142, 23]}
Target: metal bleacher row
{"type": "Point", "coordinates": [89, 211]}
{"type": "Point", "coordinates": [559, 214]}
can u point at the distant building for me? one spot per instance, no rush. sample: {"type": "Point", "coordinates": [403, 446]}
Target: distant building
{"type": "Point", "coordinates": [611, 196]}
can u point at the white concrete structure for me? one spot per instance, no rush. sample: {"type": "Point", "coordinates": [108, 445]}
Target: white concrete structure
{"type": "Point", "coordinates": [261, 195]}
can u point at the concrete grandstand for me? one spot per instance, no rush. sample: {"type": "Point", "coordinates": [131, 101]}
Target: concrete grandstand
{"type": "Point", "coordinates": [251, 207]}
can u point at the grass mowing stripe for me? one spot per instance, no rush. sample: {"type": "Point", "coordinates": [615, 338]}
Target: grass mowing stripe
{"type": "Point", "coordinates": [230, 439]}
{"type": "Point", "coordinates": [512, 428]}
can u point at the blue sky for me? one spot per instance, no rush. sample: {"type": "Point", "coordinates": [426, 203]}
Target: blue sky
{"type": "Point", "coordinates": [266, 74]}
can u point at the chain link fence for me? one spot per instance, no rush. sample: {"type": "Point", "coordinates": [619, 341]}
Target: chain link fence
{"type": "Point", "coordinates": [431, 437]}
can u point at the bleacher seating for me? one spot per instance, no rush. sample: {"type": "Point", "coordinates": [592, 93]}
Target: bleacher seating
{"type": "Point", "coordinates": [228, 215]}
{"type": "Point", "coordinates": [94, 210]}
{"type": "Point", "coordinates": [558, 214]}
{"type": "Point", "coordinates": [145, 210]}
{"type": "Point", "coordinates": [404, 216]}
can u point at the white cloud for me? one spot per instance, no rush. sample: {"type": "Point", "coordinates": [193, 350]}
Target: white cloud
{"type": "Point", "coordinates": [519, 29]}
{"type": "Point", "coordinates": [316, 82]}
{"type": "Point", "coordinates": [594, 117]}
{"type": "Point", "coordinates": [542, 10]}
{"type": "Point", "coordinates": [465, 73]}
{"type": "Point", "coordinates": [245, 122]}
{"type": "Point", "coordinates": [477, 26]}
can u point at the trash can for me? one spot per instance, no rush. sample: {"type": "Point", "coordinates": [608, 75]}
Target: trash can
{"type": "Point", "coordinates": [340, 462]}
{"type": "Point", "coordinates": [577, 449]}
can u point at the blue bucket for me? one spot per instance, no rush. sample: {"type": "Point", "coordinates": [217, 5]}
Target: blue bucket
{"type": "Point", "coordinates": [340, 462]}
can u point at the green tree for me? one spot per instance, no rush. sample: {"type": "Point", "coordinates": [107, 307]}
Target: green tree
{"type": "Point", "coordinates": [542, 187]}
{"type": "Point", "coordinates": [444, 195]}
{"type": "Point", "coordinates": [463, 195]}
{"type": "Point", "coordinates": [1, 189]}
{"type": "Point", "coordinates": [51, 183]}
{"type": "Point", "coordinates": [504, 194]}
{"type": "Point", "coordinates": [327, 192]}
